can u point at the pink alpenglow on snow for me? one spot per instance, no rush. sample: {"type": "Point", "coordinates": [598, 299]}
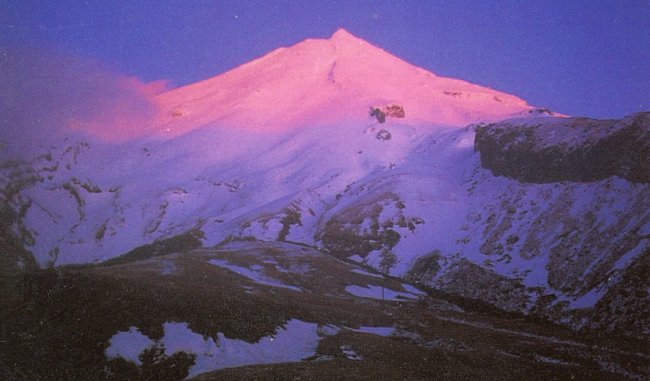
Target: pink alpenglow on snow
{"type": "Point", "coordinates": [323, 82]}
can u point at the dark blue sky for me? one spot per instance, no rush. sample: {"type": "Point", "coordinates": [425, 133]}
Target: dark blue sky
{"type": "Point", "coordinates": [587, 58]}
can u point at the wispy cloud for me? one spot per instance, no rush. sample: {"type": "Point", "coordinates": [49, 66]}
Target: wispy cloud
{"type": "Point", "coordinates": [47, 94]}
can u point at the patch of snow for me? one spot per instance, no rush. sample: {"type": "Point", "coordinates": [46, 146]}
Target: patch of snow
{"type": "Point", "coordinates": [589, 299]}
{"type": "Point", "coordinates": [178, 337]}
{"type": "Point", "coordinates": [350, 353]}
{"type": "Point", "coordinates": [362, 272]}
{"type": "Point", "coordinates": [413, 290]}
{"type": "Point", "coordinates": [625, 259]}
{"type": "Point", "coordinates": [255, 273]}
{"type": "Point", "coordinates": [378, 292]}
{"type": "Point", "coordinates": [128, 345]}
{"type": "Point", "coordinates": [380, 331]}
{"type": "Point", "coordinates": [373, 259]}
{"type": "Point", "coordinates": [296, 341]}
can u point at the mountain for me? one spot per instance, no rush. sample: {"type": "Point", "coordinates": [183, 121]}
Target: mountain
{"type": "Point", "coordinates": [325, 82]}
{"type": "Point", "coordinates": [367, 160]}
{"type": "Point", "coordinates": [293, 121]}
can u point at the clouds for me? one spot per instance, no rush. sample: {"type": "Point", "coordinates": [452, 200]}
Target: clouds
{"type": "Point", "coordinates": [48, 95]}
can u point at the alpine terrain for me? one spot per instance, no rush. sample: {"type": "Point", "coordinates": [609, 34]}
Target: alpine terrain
{"type": "Point", "coordinates": [329, 211]}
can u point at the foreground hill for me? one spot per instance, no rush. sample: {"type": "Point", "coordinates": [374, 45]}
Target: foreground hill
{"type": "Point", "coordinates": [265, 310]}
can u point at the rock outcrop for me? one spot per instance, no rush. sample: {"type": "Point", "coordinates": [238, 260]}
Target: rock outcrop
{"type": "Point", "coordinates": [567, 149]}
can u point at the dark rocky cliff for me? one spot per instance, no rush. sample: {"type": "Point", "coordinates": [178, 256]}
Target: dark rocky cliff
{"type": "Point", "coordinates": [567, 149]}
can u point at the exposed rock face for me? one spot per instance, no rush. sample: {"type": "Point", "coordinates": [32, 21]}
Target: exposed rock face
{"type": "Point", "coordinates": [475, 282]}
{"type": "Point", "coordinates": [567, 149]}
{"type": "Point", "coordinates": [390, 111]}
{"type": "Point", "coordinates": [361, 228]}
{"type": "Point", "coordinates": [394, 111]}
{"type": "Point", "coordinates": [625, 307]}
{"type": "Point", "coordinates": [425, 268]}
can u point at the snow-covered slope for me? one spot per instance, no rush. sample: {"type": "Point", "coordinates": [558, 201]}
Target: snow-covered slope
{"type": "Point", "coordinates": [554, 248]}
{"type": "Point", "coordinates": [284, 148]}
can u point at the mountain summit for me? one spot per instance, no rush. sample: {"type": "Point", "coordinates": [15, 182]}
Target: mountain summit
{"type": "Point", "coordinates": [324, 81]}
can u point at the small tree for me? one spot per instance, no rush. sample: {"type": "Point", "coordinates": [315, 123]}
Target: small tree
{"type": "Point", "coordinates": [155, 366]}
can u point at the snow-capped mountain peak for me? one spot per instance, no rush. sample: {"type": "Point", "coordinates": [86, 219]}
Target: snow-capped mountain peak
{"type": "Point", "coordinates": [343, 35]}
{"type": "Point", "coordinates": [325, 81]}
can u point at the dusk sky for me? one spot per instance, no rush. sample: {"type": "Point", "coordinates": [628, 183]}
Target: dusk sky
{"type": "Point", "coordinates": [582, 58]}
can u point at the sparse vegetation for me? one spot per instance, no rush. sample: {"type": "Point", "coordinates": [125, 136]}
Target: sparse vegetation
{"type": "Point", "coordinates": [86, 185]}
{"type": "Point", "coordinates": [344, 236]}
{"type": "Point", "coordinates": [425, 268]}
{"type": "Point", "coordinates": [231, 238]}
{"type": "Point", "coordinates": [389, 111]}
{"type": "Point", "coordinates": [512, 239]}
{"type": "Point", "coordinates": [155, 366]}
{"type": "Point", "coordinates": [291, 217]}
{"type": "Point", "coordinates": [99, 234]}
{"type": "Point", "coordinates": [388, 260]}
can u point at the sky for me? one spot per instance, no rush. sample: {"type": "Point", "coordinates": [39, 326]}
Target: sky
{"type": "Point", "coordinates": [581, 58]}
